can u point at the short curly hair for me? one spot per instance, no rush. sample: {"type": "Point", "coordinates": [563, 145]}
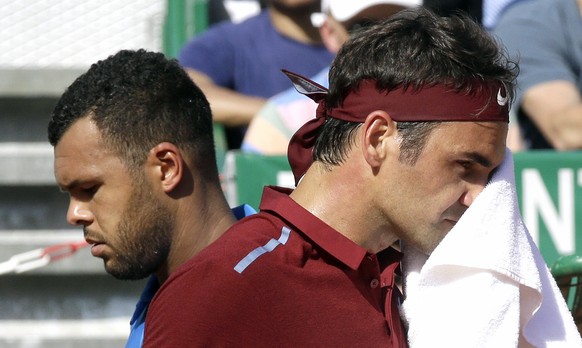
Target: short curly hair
{"type": "Point", "coordinates": [139, 99]}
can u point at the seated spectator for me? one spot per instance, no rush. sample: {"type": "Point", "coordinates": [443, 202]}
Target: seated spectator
{"type": "Point", "coordinates": [271, 129]}
{"type": "Point", "coordinates": [237, 65]}
{"type": "Point", "coordinates": [549, 49]}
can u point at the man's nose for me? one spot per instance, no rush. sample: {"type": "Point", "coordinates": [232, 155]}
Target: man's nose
{"type": "Point", "coordinates": [471, 192]}
{"type": "Point", "coordinates": [78, 214]}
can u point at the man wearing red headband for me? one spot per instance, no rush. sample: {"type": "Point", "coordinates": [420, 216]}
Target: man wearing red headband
{"type": "Point", "coordinates": [408, 135]}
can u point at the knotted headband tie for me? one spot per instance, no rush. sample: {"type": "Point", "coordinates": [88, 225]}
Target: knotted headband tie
{"type": "Point", "coordinates": [428, 103]}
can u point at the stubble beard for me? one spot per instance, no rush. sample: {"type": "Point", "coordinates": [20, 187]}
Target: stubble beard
{"type": "Point", "coordinates": [145, 236]}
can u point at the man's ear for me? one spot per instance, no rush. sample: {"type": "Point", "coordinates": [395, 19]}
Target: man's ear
{"type": "Point", "coordinates": [378, 137]}
{"type": "Point", "coordinates": [166, 165]}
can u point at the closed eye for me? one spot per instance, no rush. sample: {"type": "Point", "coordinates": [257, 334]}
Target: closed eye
{"type": "Point", "coordinates": [465, 164]}
{"type": "Point", "coordinates": [81, 189]}
{"type": "Point", "coordinates": [474, 172]}
{"type": "Point", "coordinates": [90, 191]}
{"type": "Point", "coordinates": [84, 192]}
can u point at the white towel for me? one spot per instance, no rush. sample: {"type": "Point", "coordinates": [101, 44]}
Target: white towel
{"type": "Point", "coordinates": [486, 284]}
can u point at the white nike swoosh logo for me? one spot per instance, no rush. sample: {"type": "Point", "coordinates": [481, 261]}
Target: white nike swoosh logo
{"type": "Point", "coordinates": [501, 100]}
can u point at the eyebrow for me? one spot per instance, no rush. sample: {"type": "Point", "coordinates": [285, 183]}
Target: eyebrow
{"type": "Point", "coordinates": [478, 158]}
{"type": "Point", "coordinates": [68, 187]}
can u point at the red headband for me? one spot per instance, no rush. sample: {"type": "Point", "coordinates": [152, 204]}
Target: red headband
{"type": "Point", "coordinates": [431, 103]}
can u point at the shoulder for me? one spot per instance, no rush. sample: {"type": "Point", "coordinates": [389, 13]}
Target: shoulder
{"type": "Point", "coordinates": [199, 297]}
{"type": "Point", "coordinates": [227, 30]}
{"type": "Point", "coordinates": [526, 13]}
{"type": "Point", "coordinates": [539, 43]}
{"type": "Point", "coordinates": [223, 262]}
{"type": "Point", "coordinates": [252, 25]}
{"type": "Point", "coordinates": [226, 34]}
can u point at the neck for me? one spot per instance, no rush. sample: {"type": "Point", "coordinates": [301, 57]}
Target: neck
{"type": "Point", "coordinates": [344, 204]}
{"type": "Point", "coordinates": [199, 222]}
{"type": "Point", "coordinates": [294, 24]}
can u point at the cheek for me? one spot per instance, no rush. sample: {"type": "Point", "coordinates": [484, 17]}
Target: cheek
{"type": "Point", "coordinates": [440, 199]}
{"type": "Point", "coordinates": [429, 187]}
{"type": "Point", "coordinates": [423, 192]}
{"type": "Point", "coordinates": [110, 222]}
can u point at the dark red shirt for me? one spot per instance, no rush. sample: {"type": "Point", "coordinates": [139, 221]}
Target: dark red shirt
{"type": "Point", "coordinates": [279, 278]}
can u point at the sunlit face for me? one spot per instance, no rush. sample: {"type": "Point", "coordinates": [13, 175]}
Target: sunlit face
{"type": "Point", "coordinates": [127, 227]}
{"type": "Point", "coordinates": [426, 199]}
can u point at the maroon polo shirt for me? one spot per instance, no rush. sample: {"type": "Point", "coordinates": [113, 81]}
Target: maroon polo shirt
{"type": "Point", "coordinates": [279, 278]}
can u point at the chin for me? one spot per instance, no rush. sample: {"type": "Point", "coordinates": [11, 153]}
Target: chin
{"type": "Point", "coordinates": [449, 224]}
{"type": "Point", "coordinates": [124, 269]}
{"type": "Point", "coordinates": [438, 235]}
{"type": "Point", "coordinates": [428, 249]}
{"type": "Point", "coordinates": [126, 274]}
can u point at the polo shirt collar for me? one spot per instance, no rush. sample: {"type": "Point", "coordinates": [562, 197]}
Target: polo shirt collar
{"type": "Point", "coordinates": [277, 201]}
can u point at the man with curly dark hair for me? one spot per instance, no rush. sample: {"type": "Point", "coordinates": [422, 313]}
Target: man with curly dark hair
{"type": "Point", "coordinates": [134, 150]}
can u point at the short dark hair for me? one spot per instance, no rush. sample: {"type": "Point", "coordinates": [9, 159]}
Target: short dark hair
{"type": "Point", "coordinates": [139, 99]}
{"type": "Point", "coordinates": [413, 48]}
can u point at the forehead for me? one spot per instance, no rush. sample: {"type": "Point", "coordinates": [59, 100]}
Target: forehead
{"type": "Point", "coordinates": [487, 139]}
{"type": "Point", "coordinates": [81, 154]}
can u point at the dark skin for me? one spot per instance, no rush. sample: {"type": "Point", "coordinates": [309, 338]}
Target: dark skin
{"type": "Point", "coordinates": [125, 232]}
